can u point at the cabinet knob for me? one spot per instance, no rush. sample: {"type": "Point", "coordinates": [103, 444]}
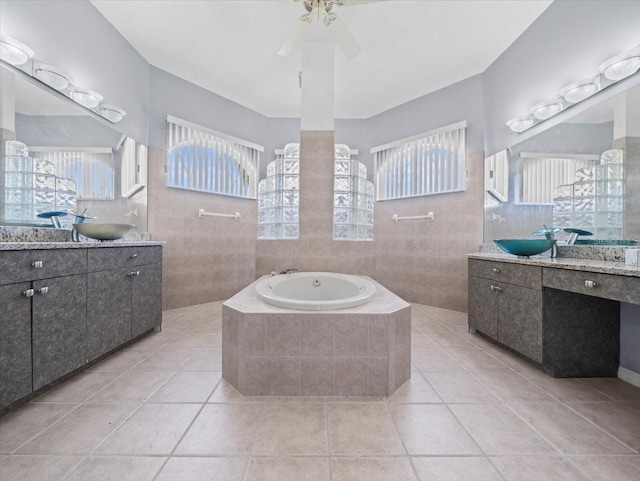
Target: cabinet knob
{"type": "Point", "coordinates": [590, 284]}
{"type": "Point", "coordinates": [134, 255]}
{"type": "Point", "coordinates": [496, 289]}
{"type": "Point", "coordinates": [28, 293]}
{"type": "Point", "coordinates": [496, 270]}
{"type": "Point", "coordinates": [43, 291]}
{"type": "Point", "coordinates": [134, 273]}
{"type": "Point", "coordinates": [37, 264]}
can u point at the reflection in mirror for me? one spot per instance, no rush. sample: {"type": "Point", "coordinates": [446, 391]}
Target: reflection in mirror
{"type": "Point", "coordinates": [58, 157]}
{"type": "Point", "coordinates": [582, 174]}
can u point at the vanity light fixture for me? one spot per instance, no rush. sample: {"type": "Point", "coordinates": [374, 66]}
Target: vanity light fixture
{"type": "Point", "coordinates": [622, 66]}
{"type": "Point", "coordinates": [111, 112]}
{"type": "Point", "coordinates": [14, 52]}
{"type": "Point", "coordinates": [85, 97]}
{"type": "Point", "coordinates": [578, 91]}
{"type": "Point", "coordinates": [546, 110]}
{"type": "Point", "coordinates": [520, 124]}
{"type": "Point", "coordinates": [51, 76]}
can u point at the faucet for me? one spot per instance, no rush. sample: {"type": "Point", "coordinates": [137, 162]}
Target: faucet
{"type": "Point", "coordinates": [549, 233]}
{"type": "Point", "coordinates": [288, 271]}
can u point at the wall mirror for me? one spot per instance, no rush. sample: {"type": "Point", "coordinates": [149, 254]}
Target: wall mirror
{"type": "Point", "coordinates": [581, 174]}
{"type": "Point", "coordinates": [57, 156]}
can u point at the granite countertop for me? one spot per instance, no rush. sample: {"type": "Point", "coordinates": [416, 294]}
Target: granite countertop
{"type": "Point", "coordinates": [23, 246]}
{"type": "Point", "coordinates": [589, 265]}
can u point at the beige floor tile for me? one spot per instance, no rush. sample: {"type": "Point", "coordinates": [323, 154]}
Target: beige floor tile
{"type": "Point", "coordinates": [153, 341]}
{"type": "Point", "coordinates": [153, 429]}
{"type": "Point", "coordinates": [292, 429]}
{"type": "Point", "coordinates": [432, 429]}
{"type": "Point", "coordinates": [79, 388]}
{"type": "Point", "coordinates": [102, 468]}
{"type": "Point", "coordinates": [473, 359]}
{"type": "Point", "coordinates": [188, 386]}
{"type": "Point", "coordinates": [197, 340]}
{"type": "Point", "coordinates": [203, 469]}
{"type": "Point", "coordinates": [622, 420]}
{"type": "Point", "coordinates": [567, 431]}
{"type": "Point", "coordinates": [421, 341]}
{"type": "Point", "coordinates": [288, 469]}
{"type": "Point", "coordinates": [511, 387]}
{"type": "Point", "coordinates": [169, 358]}
{"type": "Point", "coordinates": [615, 388]}
{"type": "Point", "coordinates": [372, 469]}
{"type": "Point", "coordinates": [19, 426]}
{"type": "Point", "coordinates": [498, 431]}
{"type": "Point", "coordinates": [204, 360]}
{"type": "Point", "coordinates": [433, 359]}
{"type": "Point", "coordinates": [511, 360]}
{"type": "Point", "coordinates": [226, 393]}
{"type": "Point", "coordinates": [415, 390]}
{"type": "Point", "coordinates": [362, 429]}
{"type": "Point", "coordinates": [122, 361]}
{"type": "Point", "coordinates": [36, 468]}
{"type": "Point", "coordinates": [538, 468]}
{"type": "Point", "coordinates": [565, 390]}
{"type": "Point", "coordinates": [459, 387]}
{"type": "Point", "coordinates": [455, 469]}
{"type": "Point", "coordinates": [608, 468]}
{"type": "Point", "coordinates": [134, 386]}
{"type": "Point", "coordinates": [81, 431]}
{"type": "Point", "coordinates": [223, 429]}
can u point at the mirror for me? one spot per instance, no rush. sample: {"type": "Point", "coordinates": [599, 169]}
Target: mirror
{"type": "Point", "coordinates": [581, 174]}
{"type": "Point", "coordinates": [57, 156]}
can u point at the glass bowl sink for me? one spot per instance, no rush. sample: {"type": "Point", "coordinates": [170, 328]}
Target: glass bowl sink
{"type": "Point", "coordinates": [525, 247]}
{"type": "Point", "coordinates": [104, 232]}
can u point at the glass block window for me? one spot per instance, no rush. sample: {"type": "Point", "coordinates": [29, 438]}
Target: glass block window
{"type": "Point", "coordinates": [430, 163]}
{"type": "Point", "coordinates": [353, 198]}
{"type": "Point", "coordinates": [279, 196]}
{"type": "Point", "coordinates": [204, 160]}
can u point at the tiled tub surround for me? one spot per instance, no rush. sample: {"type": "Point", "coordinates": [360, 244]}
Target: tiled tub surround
{"type": "Point", "coordinates": [271, 351]}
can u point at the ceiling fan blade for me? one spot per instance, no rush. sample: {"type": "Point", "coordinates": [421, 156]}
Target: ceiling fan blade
{"type": "Point", "coordinates": [294, 38]}
{"type": "Point", "coordinates": [343, 38]}
{"type": "Point", "coordinates": [351, 3]}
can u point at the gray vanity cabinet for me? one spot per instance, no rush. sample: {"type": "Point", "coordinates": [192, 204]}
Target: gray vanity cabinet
{"type": "Point", "coordinates": [520, 320]}
{"type": "Point", "coordinates": [146, 298]}
{"type": "Point", "coordinates": [484, 316]}
{"type": "Point", "coordinates": [15, 342]}
{"type": "Point", "coordinates": [59, 326]}
{"type": "Point", "coordinates": [108, 311]}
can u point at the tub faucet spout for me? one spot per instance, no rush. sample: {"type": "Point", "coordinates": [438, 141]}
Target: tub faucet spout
{"type": "Point", "coordinates": [288, 271]}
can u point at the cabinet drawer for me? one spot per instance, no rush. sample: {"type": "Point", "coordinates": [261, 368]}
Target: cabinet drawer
{"type": "Point", "coordinates": [30, 265]}
{"type": "Point", "coordinates": [102, 259]}
{"type": "Point", "coordinates": [606, 286]}
{"type": "Point", "coordinates": [518, 274]}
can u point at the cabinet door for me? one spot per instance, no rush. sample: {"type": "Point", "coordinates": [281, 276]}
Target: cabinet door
{"type": "Point", "coordinates": [15, 343]}
{"type": "Point", "coordinates": [108, 311]}
{"type": "Point", "coordinates": [520, 320]}
{"type": "Point", "coordinates": [483, 306]}
{"type": "Point", "coordinates": [146, 298]}
{"type": "Point", "coordinates": [59, 327]}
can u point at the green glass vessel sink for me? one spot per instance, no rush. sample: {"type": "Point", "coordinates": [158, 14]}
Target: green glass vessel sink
{"type": "Point", "coordinates": [104, 232]}
{"type": "Point", "coordinates": [525, 247]}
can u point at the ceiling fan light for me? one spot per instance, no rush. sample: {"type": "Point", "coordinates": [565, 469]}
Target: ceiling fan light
{"type": "Point", "coordinates": [578, 91]}
{"type": "Point", "coordinates": [622, 66]}
{"type": "Point", "coordinates": [520, 124]}
{"type": "Point", "coordinates": [111, 113]}
{"type": "Point", "coordinates": [85, 97]}
{"type": "Point", "coordinates": [546, 110]}
{"type": "Point", "coordinates": [51, 76]}
{"type": "Point", "coordinates": [14, 52]}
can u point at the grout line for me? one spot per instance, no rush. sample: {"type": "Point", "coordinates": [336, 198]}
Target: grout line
{"type": "Point", "coordinates": [328, 433]}
{"type": "Point", "coordinates": [404, 446]}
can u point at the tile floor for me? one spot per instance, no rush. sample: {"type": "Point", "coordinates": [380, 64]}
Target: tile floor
{"type": "Point", "coordinates": [159, 410]}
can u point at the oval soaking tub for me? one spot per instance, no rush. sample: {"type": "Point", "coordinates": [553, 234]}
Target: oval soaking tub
{"type": "Point", "coordinates": [315, 291]}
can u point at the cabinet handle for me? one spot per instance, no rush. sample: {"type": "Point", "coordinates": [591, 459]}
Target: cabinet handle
{"type": "Point", "coordinates": [37, 264]}
{"type": "Point", "coordinates": [496, 270]}
{"type": "Point", "coordinates": [28, 293]}
{"type": "Point", "coordinates": [590, 284]}
{"type": "Point", "coordinates": [134, 273]}
{"type": "Point", "coordinates": [43, 291]}
{"type": "Point", "coordinates": [496, 289]}
{"type": "Point", "coordinates": [134, 255]}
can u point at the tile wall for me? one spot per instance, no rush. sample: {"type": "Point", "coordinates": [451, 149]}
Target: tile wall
{"type": "Point", "coordinates": [205, 259]}
{"type": "Point", "coordinates": [316, 250]}
{"type": "Point", "coordinates": [631, 147]}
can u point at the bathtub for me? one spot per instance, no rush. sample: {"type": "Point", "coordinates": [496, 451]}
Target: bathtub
{"type": "Point", "coordinates": [315, 291]}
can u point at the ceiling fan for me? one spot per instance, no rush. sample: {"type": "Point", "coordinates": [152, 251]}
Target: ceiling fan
{"type": "Point", "coordinates": [323, 9]}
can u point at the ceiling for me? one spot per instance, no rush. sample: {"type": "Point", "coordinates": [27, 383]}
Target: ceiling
{"type": "Point", "coordinates": [409, 48]}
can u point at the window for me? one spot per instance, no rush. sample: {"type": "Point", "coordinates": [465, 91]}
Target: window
{"type": "Point", "coordinates": [208, 161]}
{"type": "Point", "coordinates": [430, 163]}
{"type": "Point", "coordinates": [279, 196]}
{"type": "Point", "coordinates": [353, 197]}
